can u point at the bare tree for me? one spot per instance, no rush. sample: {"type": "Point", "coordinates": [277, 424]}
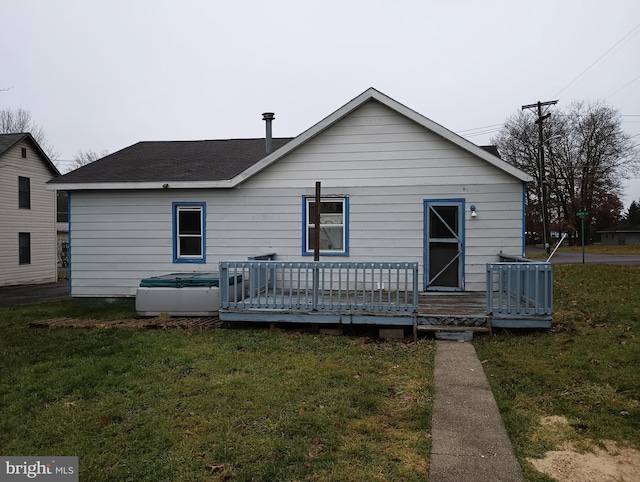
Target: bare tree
{"type": "Point", "coordinates": [588, 155]}
{"type": "Point", "coordinates": [82, 158]}
{"type": "Point", "coordinates": [19, 120]}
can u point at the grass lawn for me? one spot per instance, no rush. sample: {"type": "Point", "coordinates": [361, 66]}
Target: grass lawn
{"type": "Point", "coordinates": [214, 405]}
{"type": "Point", "coordinates": [631, 250]}
{"type": "Point", "coordinates": [587, 369]}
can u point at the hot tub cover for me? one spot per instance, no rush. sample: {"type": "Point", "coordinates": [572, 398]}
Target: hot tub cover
{"type": "Point", "coordinates": [185, 280]}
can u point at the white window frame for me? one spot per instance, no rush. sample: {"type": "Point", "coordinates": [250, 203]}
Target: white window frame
{"type": "Point", "coordinates": [178, 257]}
{"type": "Point", "coordinates": [328, 220]}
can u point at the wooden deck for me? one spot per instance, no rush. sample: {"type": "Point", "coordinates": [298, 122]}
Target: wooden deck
{"type": "Point", "coordinates": [452, 311]}
{"type": "Point", "coordinates": [519, 295]}
{"type": "Point", "coordinates": [447, 311]}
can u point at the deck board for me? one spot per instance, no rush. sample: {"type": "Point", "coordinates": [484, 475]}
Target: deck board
{"type": "Point", "coordinates": [453, 311]}
{"type": "Point", "coordinates": [449, 310]}
{"type": "Point", "coordinates": [468, 303]}
{"type": "Point", "coordinates": [434, 309]}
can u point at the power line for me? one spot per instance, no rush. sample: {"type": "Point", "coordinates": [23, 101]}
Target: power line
{"type": "Point", "coordinates": [498, 127]}
{"type": "Point", "coordinates": [490, 131]}
{"type": "Point", "coordinates": [588, 115]}
{"type": "Point", "coordinates": [598, 60]}
{"type": "Point", "coordinates": [478, 128]}
{"type": "Point", "coordinates": [624, 86]}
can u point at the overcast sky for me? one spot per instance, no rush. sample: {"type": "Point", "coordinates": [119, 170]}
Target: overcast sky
{"type": "Point", "coordinates": [106, 74]}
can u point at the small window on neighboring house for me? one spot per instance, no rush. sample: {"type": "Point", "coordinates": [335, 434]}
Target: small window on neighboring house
{"type": "Point", "coordinates": [24, 248]}
{"type": "Point", "coordinates": [189, 232]}
{"type": "Point", "coordinates": [24, 192]}
{"type": "Point", "coordinates": [62, 206]}
{"type": "Point", "coordinates": [24, 152]}
{"type": "Point", "coordinates": [334, 226]}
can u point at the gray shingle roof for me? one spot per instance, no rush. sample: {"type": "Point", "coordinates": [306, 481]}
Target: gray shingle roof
{"type": "Point", "coordinates": [8, 140]}
{"type": "Point", "coordinates": [156, 161]}
{"type": "Point", "coordinates": [622, 228]}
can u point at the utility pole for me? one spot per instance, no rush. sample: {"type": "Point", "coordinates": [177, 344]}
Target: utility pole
{"type": "Point", "coordinates": [543, 181]}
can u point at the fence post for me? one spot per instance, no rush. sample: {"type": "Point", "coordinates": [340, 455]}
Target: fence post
{"type": "Point", "coordinates": [224, 285]}
{"type": "Point", "coordinates": [489, 289]}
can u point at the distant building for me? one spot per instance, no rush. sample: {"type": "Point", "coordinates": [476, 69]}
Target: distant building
{"type": "Point", "coordinates": [623, 234]}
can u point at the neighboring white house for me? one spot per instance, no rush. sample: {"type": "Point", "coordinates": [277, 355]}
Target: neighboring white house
{"type": "Point", "coordinates": [396, 186]}
{"type": "Point", "coordinates": [28, 215]}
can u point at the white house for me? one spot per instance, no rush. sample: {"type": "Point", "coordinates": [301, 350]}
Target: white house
{"type": "Point", "coordinates": [396, 186]}
{"type": "Point", "coordinates": [28, 215]}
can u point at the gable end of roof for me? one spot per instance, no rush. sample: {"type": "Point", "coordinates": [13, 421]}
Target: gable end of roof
{"type": "Point", "coordinates": [372, 94]}
{"type": "Point", "coordinates": [7, 141]}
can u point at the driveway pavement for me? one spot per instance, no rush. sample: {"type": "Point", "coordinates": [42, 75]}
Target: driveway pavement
{"type": "Point", "coordinates": [27, 294]}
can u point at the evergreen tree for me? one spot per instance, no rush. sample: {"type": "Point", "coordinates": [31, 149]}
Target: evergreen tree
{"type": "Point", "coordinates": [633, 214]}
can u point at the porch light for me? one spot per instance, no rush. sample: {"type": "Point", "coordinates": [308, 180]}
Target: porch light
{"type": "Point", "coordinates": [473, 211]}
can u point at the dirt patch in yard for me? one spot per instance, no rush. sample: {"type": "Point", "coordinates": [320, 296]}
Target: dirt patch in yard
{"type": "Point", "coordinates": [606, 462]}
{"type": "Point", "coordinates": [159, 323]}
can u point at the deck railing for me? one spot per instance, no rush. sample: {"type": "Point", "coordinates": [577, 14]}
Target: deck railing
{"type": "Point", "coordinates": [319, 286]}
{"type": "Point", "coordinates": [519, 288]}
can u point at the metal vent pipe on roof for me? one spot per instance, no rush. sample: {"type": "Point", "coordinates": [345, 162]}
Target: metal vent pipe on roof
{"type": "Point", "coordinates": [268, 118]}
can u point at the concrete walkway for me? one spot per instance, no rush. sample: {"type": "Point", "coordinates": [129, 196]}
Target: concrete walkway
{"type": "Point", "coordinates": [469, 441]}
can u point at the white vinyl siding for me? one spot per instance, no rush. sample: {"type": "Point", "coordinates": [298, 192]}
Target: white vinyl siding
{"type": "Point", "coordinates": [38, 220]}
{"type": "Point", "coordinates": [383, 162]}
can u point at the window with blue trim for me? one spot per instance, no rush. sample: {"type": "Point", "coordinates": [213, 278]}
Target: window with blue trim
{"type": "Point", "coordinates": [334, 226]}
{"type": "Point", "coordinates": [189, 233]}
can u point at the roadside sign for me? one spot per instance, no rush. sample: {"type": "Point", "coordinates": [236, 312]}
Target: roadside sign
{"type": "Point", "coordinates": [582, 215]}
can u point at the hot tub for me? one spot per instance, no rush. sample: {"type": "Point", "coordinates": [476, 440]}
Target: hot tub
{"type": "Point", "coordinates": [180, 294]}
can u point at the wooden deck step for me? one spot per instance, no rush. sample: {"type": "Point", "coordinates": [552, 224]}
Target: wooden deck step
{"type": "Point", "coordinates": [431, 328]}
{"type": "Point", "coordinates": [459, 311]}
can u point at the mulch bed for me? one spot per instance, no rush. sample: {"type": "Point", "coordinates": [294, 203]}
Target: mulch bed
{"type": "Point", "coordinates": [197, 323]}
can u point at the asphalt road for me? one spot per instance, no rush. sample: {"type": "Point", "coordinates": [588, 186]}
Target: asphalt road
{"type": "Point", "coordinates": [27, 294]}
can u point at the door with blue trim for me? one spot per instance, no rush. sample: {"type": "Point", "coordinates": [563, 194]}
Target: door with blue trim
{"type": "Point", "coordinates": [444, 245]}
